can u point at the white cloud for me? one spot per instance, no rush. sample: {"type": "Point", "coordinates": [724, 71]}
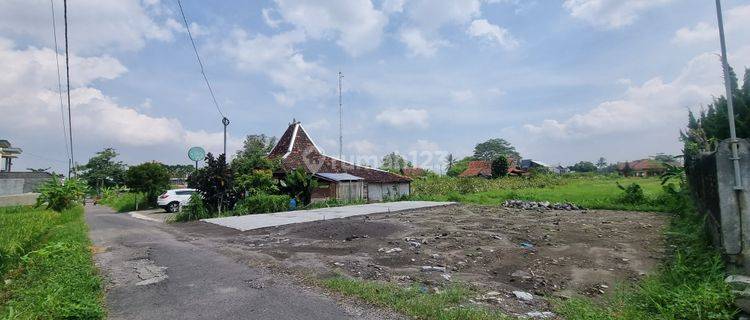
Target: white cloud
{"type": "Point", "coordinates": [462, 96]}
{"type": "Point", "coordinates": [356, 24]}
{"type": "Point", "coordinates": [404, 118]}
{"type": "Point", "coordinates": [699, 33]}
{"type": "Point", "coordinates": [363, 147]}
{"type": "Point", "coordinates": [496, 35]}
{"type": "Point", "coordinates": [268, 19]}
{"type": "Point", "coordinates": [277, 58]}
{"type": "Point", "coordinates": [423, 145]}
{"type": "Point", "coordinates": [391, 6]}
{"type": "Point", "coordinates": [318, 124]}
{"type": "Point", "coordinates": [94, 25]}
{"type": "Point", "coordinates": [610, 14]}
{"type": "Point", "coordinates": [30, 103]}
{"type": "Point", "coordinates": [421, 33]}
{"type": "Point", "coordinates": [654, 106]}
{"type": "Point", "coordinates": [419, 45]}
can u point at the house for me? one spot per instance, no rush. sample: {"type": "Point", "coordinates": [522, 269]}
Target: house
{"type": "Point", "coordinates": [528, 164]}
{"type": "Point", "coordinates": [483, 168]}
{"type": "Point", "coordinates": [478, 168]}
{"type": "Point", "coordinates": [642, 168]}
{"type": "Point", "coordinates": [338, 179]}
{"type": "Point", "coordinates": [7, 154]}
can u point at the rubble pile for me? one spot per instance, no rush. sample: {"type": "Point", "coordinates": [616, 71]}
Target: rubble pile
{"type": "Point", "coordinates": [540, 205]}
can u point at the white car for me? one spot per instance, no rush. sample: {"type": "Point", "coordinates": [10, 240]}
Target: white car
{"type": "Point", "coordinates": [174, 199]}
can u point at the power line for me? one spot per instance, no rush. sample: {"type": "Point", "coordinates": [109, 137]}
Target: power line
{"type": "Point", "coordinates": [341, 119]}
{"type": "Point", "coordinates": [59, 83]}
{"type": "Point", "coordinates": [67, 78]}
{"type": "Point", "coordinates": [200, 62]}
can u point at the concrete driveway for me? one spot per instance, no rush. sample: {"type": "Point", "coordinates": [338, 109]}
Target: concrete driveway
{"type": "Point", "coordinates": [257, 221]}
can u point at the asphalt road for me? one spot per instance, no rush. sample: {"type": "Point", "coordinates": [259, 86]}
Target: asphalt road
{"type": "Point", "coordinates": [153, 271]}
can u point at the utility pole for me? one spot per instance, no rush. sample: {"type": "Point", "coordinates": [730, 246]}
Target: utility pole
{"type": "Point", "coordinates": [730, 107]}
{"type": "Point", "coordinates": [225, 122]}
{"type": "Point", "coordinates": [67, 77]}
{"type": "Point", "coordinates": [341, 119]}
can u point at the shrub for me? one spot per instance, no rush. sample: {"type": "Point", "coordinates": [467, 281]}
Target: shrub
{"type": "Point", "coordinates": [633, 194]}
{"type": "Point", "coordinates": [194, 210]}
{"type": "Point", "coordinates": [149, 178]}
{"type": "Point", "coordinates": [262, 203]}
{"type": "Point", "coordinates": [215, 182]}
{"type": "Point", "coordinates": [58, 196]}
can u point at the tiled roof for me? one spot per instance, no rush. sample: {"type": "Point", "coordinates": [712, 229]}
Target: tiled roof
{"type": "Point", "coordinates": [643, 165]}
{"type": "Point", "coordinates": [478, 168]}
{"type": "Point", "coordinates": [413, 172]}
{"type": "Point", "coordinates": [296, 149]}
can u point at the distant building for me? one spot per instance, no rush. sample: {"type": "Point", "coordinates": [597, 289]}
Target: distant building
{"type": "Point", "coordinates": [483, 168]}
{"type": "Point", "coordinates": [7, 154]}
{"type": "Point", "coordinates": [478, 168]}
{"type": "Point", "coordinates": [413, 172]}
{"type": "Point", "coordinates": [642, 168]}
{"type": "Point", "coordinates": [528, 164]}
{"type": "Point", "coordinates": [338, 179]}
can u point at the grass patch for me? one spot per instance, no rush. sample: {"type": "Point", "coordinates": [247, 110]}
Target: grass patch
{"type": "Point", "coordinates": [414, 301]}
{"type": "Point", "coordinates": [689, 284]}
{"type": "Point", "coordinates": [593, 192]}
{"type": "Point", "coordinates": [47, 268]}
{"type": "Point", "coordinates": [125, 202]}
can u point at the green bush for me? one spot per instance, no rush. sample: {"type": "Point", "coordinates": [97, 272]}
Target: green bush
{"type": "Point", "coordinates": [330, 203]}
{"type": "Point", "coordinates": [633, 194]}
{"type": "Point", "coordinates": [124, 202]}
{"type": "Point", "coordinates": [262, 203]}
{"type": "Point", "coordinates": [194, 210]}
{"type": "Point", "coordinates": [58, 196]}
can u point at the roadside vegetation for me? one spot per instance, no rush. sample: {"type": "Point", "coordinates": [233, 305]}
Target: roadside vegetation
{"type": "Point", "coordinates": [417, 301]}
{"type": "Point", "coordinates": [587, 190]}
{"type": "Point", "coordinates": [45, 259]}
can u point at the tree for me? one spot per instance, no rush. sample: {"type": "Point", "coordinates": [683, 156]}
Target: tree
{"type": "Point", "coordinates": [256, 145]}
{"type": "Point", "coordinates": [150, 178]}
{"type": "Point", "coordinates": [583, 166]}
{"type": "Point", "coordinates": [299, 184]}
{"type": "Point", "coordinates": [449, 161]}
{"type": "Point", "coordinates": [499, 167]}
{"type": "Point", "coordinates": [459, 166]}
{"type": "Point", "coordinates": [215, 182]}
{"type": "Point", "coordinates": [712, 123]}
{"type": "Point", "coordinates": [601, 163]}
{"type": "Point", "coordinates": [493, 148]}
{"type": "Point", "coordinates": [181, 171]}
{"type": "Point", "coordinates": [626, 169]}
{"type": "Point", "coordinates": [102, 170]}
{"type": "Point", "coordinates": [394, 162]}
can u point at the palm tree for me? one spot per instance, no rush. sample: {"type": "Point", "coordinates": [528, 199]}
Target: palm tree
{"type": "Point", "coordinates": [449, 162]}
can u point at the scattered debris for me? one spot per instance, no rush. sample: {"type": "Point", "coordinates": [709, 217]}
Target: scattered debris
{"type": "Point", "coordinates": [527, 245]}
{"type": "Point", "coordinates": [393, 250]}
{"type": "Point", "coordinates": [521, 274]}
{"type": "Point", "coordinates": [446, 276]}
{"type": "Point", "coordinates": [522, 295]}
{"type": "Point", "coordinates": [540, 314]}
{"type": "Point", "coordinates": [541, 205]}
{"type": "Point", "coordinates": [433, 268]}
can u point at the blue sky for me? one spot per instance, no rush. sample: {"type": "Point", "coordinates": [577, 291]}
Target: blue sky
{"type": "Point", "coordinates": [563, 81]}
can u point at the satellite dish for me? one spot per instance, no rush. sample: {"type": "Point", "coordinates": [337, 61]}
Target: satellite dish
{"type": "Point", "coordinates": [196, 154]}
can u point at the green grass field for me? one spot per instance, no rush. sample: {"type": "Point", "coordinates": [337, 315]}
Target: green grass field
{"type": "Point", "coordinates": [594, 192]}
{"type": "Point", "coordinates": [46, 266]}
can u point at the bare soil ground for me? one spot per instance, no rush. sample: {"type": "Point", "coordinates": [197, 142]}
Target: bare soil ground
{"type": "Point", "coordinates": [494, 249]}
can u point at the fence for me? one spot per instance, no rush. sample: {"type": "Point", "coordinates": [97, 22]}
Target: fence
{"type": "Point", "coordinates": [711, 178]}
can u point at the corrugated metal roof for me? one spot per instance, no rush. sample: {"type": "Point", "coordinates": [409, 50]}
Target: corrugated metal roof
{"type": "Point", "coordinates": [337, 176]}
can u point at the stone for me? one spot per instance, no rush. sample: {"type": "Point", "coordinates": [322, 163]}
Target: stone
{"type": "Point", "coordinates": [522, 295]}
{"type": "Point", "coordinates": [540, 314]}
{"type": "Point", "coordinates": [521, 274]}
{"type": "Point", "coordinates": [393, 250]}
{"type": "Point", "coordinates": [432, 268]}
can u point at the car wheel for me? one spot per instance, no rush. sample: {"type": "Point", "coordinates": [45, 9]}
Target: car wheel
{"type": "Point", "coordinates": [173, 207]}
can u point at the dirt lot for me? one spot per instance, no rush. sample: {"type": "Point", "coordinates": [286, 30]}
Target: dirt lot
{"type": "Point", "coordinates": [497, 250]}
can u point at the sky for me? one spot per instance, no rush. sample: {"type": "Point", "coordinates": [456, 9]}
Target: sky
{"type": "Point", "coordinates": [563, 81]}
